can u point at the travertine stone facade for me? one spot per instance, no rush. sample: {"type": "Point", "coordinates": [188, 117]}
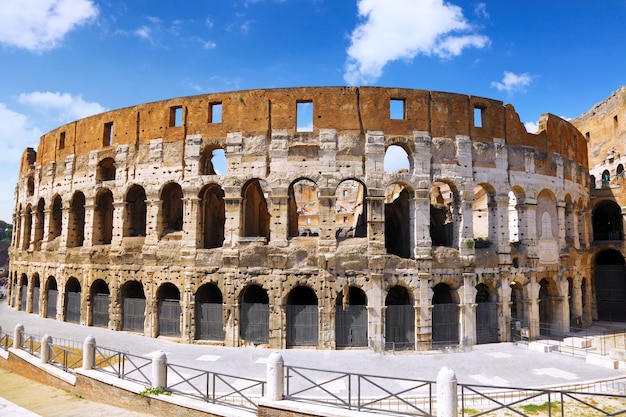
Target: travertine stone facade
{"type": "Point", "coordinates": [127, 220]}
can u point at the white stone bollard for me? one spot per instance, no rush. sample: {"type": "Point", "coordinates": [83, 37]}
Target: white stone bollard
{"type": "Point", "coordinates": [46, 341]}
{"type": "Point", "coordinates": [18, 336]}
{"type": "Point", "coordinates": [89, 352]}
{"type": "Point", "coordinates": [275, 377]}
{"type": "Point", "coordinates": [447, 400]}
{"type": "Point", "coordinates": [159, 370]}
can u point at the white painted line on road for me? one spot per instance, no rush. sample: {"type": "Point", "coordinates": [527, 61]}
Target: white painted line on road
{"type": "Point", "coordinates": [208, 358]}
{"type": "Point", "coordinates": [485, 380]}
{"type": "Point", "coordinates": [556, 373]}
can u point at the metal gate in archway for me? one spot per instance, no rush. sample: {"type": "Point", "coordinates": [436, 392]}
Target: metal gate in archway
{"type": "Point", "coordinates": [169, 317]}
{"type": "Point", "coordinates": [255, 325]}
{"type": "Point", "coordinates": [486, 323]}
{"type": "Point", "coordinates": [209, 321]}
{"type": "Point", "coordinates": [611, 292]}
{"type": "Point", "coordinates": [134, 312]}
{"type": "Point", "coordinates": [399, 326]}
{"type": "Point", "coordinates": [302, 325]}
{"type": "Point", "coordinates": [445, 322]}
{"type": "Point", "coordinates": [51, 311]}
{"type": "Point", "coordinates": [100, 310]}
{"type": "Point", "coordinates": [24, 297]}
{"type": "Point", "coordinates": [351, 326]}
{"type": "Point", "coordinates": [72, 307]}
{"type": "Point", "coordinates": [36, 300]}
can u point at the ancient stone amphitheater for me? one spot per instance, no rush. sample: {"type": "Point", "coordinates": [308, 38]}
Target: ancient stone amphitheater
{"type": "Point", "coordinates": [275, 217]}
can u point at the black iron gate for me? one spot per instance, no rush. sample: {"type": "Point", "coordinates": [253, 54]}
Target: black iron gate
{"type": "Point", "coordinates": [255, 326]}
{"type": "Point", "coordinates": [209, 321]}
{"type": "Point", "coordinates": [72, 307]}
{"type": "Point", "coordinates": [169, 317]}
{"type": "Point", "coordinates": [486, 323]}
{"type": "Point", "coordinates": [611, 292]}
{"type": "Point", "coordinates": [445, 322]}
{"type": "Point", "coordinates": [399, 326]}
{"type": "Point", "coordinates": [51, 310]}
{"type": "Point", "coordinates": [36, 300]}
{"type": "Point", "coordinates": [24, 297]}
{"type": "Point", "coordinates": [100, 310]}
{"type": "Point", "coordinates": [351, 326]}
{"type": "Point", "coordinates": [302, 325]}
{"type": "Point", "coordinates": [134, 312]}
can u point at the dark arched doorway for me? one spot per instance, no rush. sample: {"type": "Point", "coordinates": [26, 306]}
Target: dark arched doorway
{"type": "Point", "coordinates": [351, 318]}
{"type": "Point", "coordinates": [168, 310]}
{"type": "Point", "coordinates": [100, 301]}
{"type": "Point", "coordinates": [399, 319]}
{"type": "Point", "coordinates": [209, 313]}
{"type": "Point", "coordinates": [445, 317]}
{"type": "Point", "coordinates": [133, 306]}
{"type": "Point", "coordinates": [486, 315]}
{"type": "Point", "coordinates": [302, 317]}
{"type": "Point", "coordinates": [610, 283]}
{"type": "Point", "coordinates": [255, 315]}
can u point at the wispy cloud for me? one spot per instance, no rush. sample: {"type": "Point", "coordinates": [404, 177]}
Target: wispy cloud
{"type": "Point", "coordinates": [512, 82]}
{"type": "Point", "coordinates": [40, 25]}
{"type": "Point", "coordinates": [60, 107]}
{"type": "Point", "coordinates": [402, 29]}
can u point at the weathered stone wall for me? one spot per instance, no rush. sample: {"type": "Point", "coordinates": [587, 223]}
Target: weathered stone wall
{"type": "Point", "coordinates": [392, 260]}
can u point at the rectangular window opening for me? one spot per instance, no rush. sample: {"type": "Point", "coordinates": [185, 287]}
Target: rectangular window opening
{"type": "Point", "coordinates": [397, 109]}
{"type": "Point", "coordinates": [176, 116]}
{"type": "Point", "coordinates": [215, 112]}
{"type": "Point", "coordinates": [62, 141]}
{"type": "Point", "coordinates": [478, 116]}
{"type": "Point", "coordinates": [107, 139]}
{"type": "Point", "coordinates": [304, 116]}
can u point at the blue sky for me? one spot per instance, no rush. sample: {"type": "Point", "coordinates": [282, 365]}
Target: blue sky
{"type": "Point", "coordinates": [61, 60]}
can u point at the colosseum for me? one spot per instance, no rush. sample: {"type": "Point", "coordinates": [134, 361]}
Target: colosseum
{"type": "Point", "coordinates": [275, 217]}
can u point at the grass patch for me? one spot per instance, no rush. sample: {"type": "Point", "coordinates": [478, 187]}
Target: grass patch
{"type": "Point", "coordinates": [153, 391]}
{"type": "Point", "coordinates": [470, 411]}
{"type": "Point", "coordinates": [542, 408]}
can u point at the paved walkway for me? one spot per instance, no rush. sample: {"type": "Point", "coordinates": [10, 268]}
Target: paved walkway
{"type": "Point", "coordinates": [502, 364]}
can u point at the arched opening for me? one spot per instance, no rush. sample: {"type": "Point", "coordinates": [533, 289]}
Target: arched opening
{"type": "Point", "coordinates": [39, 223]}
{"type": "Point", "coordinates": [351, 318]}
{"type": "Point", "coordinates": [610, 283]}
{"type": "Point", "coordinates": [570, 221]}
{"type": "Point", "coordinates": [168, 310]}
{"type": "Point", "coordinates": [304, 209]}
{"type": "Point", "coordinates": [607, 221]}
{"type": "Point", "coordinates": [399, 319]}
{"type": "Point", "coordinates": [445, 317]}
{"type": "Point", "coordinates": [481, 221]}
{"type": "Point", "coordinates": [106, 170]}
{"type": "Point", "coordinates": [103, 218]}
{"type": "Point", "coordinates": [171, 209]}
{"type": "Point", "coordinates": [548, 314]}
{"type": "Point", "coordinates": [23, 293]}
{"type": "Point", "coordinates": [133, 306]}
{"type": "Point", "coordinates": [76, 224]}
{"type": "Point", "coordinates": [135, 218]}
{"type": "Point", "coordinates": [51, 298]}
{"type": "Point", "coordinates": [486, 315]}
{"type": "Point", "coordinates": [28, 226]}
{"type": "Point", "coordinates": [396, 159]}
{"type": "Point", "coordinates": [212, 161]}
{"type": "Point", "coordinates": [56, 219]}
{"type": "Point", "coordinates": [606, 178]}
{"type": "Point", "coordinates": [100, 302]}
{"type": "Point", "coordinates": [30, 186]}
{"type": "Point", "coordinates": [213, 211]}
{"type": "Point", "coordinates": [350, 210]}
{"type": "Point", "coordinates": [72, 301]}
{"type": "Point", "coordinates": [209, 313]}
{"type": "Point", "coordinates": [398, 221]}
{"type": "Point", "coordinates": [255, 315]}
{"type": "Point", "coordinates": [256, 216]}
{"type": "Point", "coordinates": [619, 172]}
{"type": "Point", "coordinates": [442, 211]}
{"type": "Point", "coordinates": [302, 317]}
{"type": "Point", "coordinates": [36, 285]}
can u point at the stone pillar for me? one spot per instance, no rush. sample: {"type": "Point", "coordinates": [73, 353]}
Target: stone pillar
{"type": "Point", "coordinates": [532, 290]}
{"type": "Point", "coordinates": [159, 370]}
{"type": "Point", "coordinates": [65, 224]}
{"type": "Point", "coordinates": [18, 336]}
{"type": "Point", "coordinates": [275, 377]}
{"type": "Point", "coordinates": [447, 396]}
{"type": "Point", "coordinates": [465, 223]}
{"type": "Point", "coordinates": [119, 210]}
{"type": "Point", "coordinates": [528, 234]}
{"type": "Point", "coordinates": [423, 312]}
{"type": "Point", "coordinates": [187, 331]}
{"type": "Point", "coordinates": [89, 352]}
{"type": "Point", "coordinates": [194, 223]}
{"type": "Point", "coordinates": [504, 308]}
{"type": "Point", "coordinates": [46, 343]}
{"type": "Point", "coordinates": [467, 310]}
{"type": "Point", "coordinates": [279, 213]}
{"type": "Point", "coordinates": [88, 231]}
{"type": "Point", "coordinates": [153, 222]}
{"type": "Point", "coordinates": [562, 220]}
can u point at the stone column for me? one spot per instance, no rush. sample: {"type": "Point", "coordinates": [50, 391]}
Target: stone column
{"type": "Point", "coordinates": [421, 224]}
{"type": "Point", "coordinates": [423, 312]}
{"type": "Point", "coordinates": [447, 393]}
{"type": "Point", "coordinates": [88, 225]}
{"type": "Point", "coordinates": [467, 310]}
{"type": "Point", "coordinates": [153, 221]}
{"type": "Point", "coordinates": [500, 207]}
{"type": "Point", "coordinates": [532, 290]}
{"type": "Point", "coordinates": [560, 212]}
{"type": "Point", "coordinates": [279, 213]}
{"type": "Point", "coordinates": [275, 377]}
{"type": "Point", "coordinates": [119, 209]}
{"type": "Point", "coordinates": [190, 226]}
{"type": "Point", "coordinates": [504, 308]}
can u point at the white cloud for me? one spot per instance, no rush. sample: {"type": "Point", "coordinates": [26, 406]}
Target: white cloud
{"type": "Point", "coordinates": [531, 127]}
{"type": "Point", "coordinates": [39, 25]}
{"type": "Point", "coordinates": [403, 29]}
{"type": "Point", "coordinates": [61, 108]}
{"type": "Point", "coordinates": [17, 133]}
{"type": "Point", "coordinates": [513, 82]}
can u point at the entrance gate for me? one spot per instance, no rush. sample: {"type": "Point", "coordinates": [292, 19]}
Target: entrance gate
{"type": "Point", "coordinates": [100, 310]}
{"type": "Point", "coordinates": [36, 300]}
{"type": "Point", "coordinates": [209, 324]}
{"type": "Point", "coordinates": [611, 292]}
{"type": "Point", "coordinates": [399, 326]}
{"type": "Point", "coordinates": [351, 326]}
{"type": "Point", "coordinates": [169, 317]}
{"type": "Point", "coordinates": [255, 326]}
{"type": "Point", "coordinates": [24, 297]}
{"type": "Point", "coordinates": [302, 325]}
{"type": "Point", "coordinates": [134, 311]}
{"type": "Point", "coordinates": [72, 307]}
{"type": "Point", "coordinates": [445, 321]}
{"type": "Point", "coordinates": [486, 323]}
{"type": "Point", "coordinates": [51, 311]}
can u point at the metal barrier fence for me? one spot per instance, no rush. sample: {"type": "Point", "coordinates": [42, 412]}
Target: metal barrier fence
{"type": "Point", "coordinates": [123, 365]}
{"type": "Point", "coordinates": [6, 340]}
{"type": "Point", "coordinates": [31, 344]}
{"type": "Point", "coordinates": [65, 358]}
